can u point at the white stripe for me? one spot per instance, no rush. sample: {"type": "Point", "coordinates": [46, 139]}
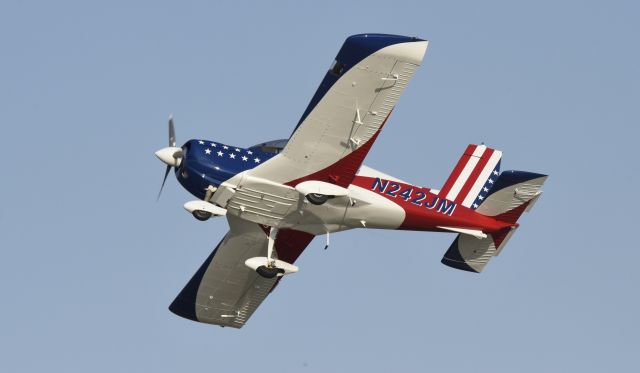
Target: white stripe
{"type": "Point", "coordinates": [482, 179]}
{"type": "Point", "coordinates": [479, 151]}
{"type": "Point", "coordinates": [466, 171]}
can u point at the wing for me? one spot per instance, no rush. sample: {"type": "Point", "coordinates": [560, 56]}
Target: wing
{"type": "Point", "coordinates": [347, 111]}
{"type": "Point", "coordinates": [224, 291]}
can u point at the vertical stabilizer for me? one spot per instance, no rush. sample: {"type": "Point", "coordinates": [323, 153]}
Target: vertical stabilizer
{"type": "Point", "coordinates": [473, 176]}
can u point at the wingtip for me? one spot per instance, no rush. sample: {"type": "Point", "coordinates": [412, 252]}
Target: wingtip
{"type": "Point", "coordinates": [183, 309]}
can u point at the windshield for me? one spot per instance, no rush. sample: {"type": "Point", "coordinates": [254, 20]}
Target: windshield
{"type": "Point", "coordinates": [273, 146]}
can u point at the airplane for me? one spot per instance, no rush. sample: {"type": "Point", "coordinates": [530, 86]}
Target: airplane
{"type": "Point", "coordinates": [278, 195]}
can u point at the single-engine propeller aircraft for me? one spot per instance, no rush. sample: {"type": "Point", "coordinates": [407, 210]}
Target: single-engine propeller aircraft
{"type": "Point", "coordinates": [278, 195]}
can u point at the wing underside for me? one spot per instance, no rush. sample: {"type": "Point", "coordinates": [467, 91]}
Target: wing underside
{"type": "Point", "coordinates": [224, 291]}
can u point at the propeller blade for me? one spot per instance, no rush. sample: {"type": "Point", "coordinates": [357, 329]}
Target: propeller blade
{"type": "Point", "coordinates": [171, 156]}
{"type": "Point", "coordinates": [166, 173]}
{"type": "Point", "coordinates": [172, 132]}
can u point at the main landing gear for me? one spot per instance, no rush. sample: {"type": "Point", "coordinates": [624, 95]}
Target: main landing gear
{"type": "Point", "coordinates": [317, 199]}
{"type": "Point", "coordinates": [269, 272]}
{"type": "Point", "coordinates": [203, 210]}
{"type": "Point", "coordinates": [268, 267]}
{"type": "Point", "coordinates": [201, 215]}
{"type": "Point", "coordinates": [319, 192]}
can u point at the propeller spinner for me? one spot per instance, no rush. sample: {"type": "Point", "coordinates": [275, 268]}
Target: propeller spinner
{"type": "Point", "coordinates": [171, 155]}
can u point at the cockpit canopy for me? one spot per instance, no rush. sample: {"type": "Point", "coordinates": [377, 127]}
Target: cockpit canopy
{"type": "Point", "coordinates": [273, 146]}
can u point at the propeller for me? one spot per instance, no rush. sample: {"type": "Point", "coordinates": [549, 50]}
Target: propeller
{"type": "Point", "coordinates": [171, 155]}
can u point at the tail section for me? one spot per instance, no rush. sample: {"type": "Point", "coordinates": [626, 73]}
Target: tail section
{"type": "Point", "coordinates": [513, 193]}
{"type": "Point", "coordinates": [474, 175]}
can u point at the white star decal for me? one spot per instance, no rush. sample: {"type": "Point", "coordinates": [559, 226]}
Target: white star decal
{"type": "Point", "coordinates": [213, 144]}
{"type": "Point", "coordinates": [220, 154]}
{"type": "Point", "coordinates": [249, 152]}
{"type": "Point", "coordinates": [201, 142]}
{"type": "Point", "coordinates": [225, 147]}
{"type": "Point", "coordinates": [475, 206]}
{"type": "Point", "coordinates": [244, 158]}
{"type": "Point", "coordinates": [495, 172]}
{"type": "Point", "coordinates": [231, 155]}
{"type": "Point", "coordinates": [237, 149]}
{"type": "Point", "coordinates": [480, 198]}
{"type": "Point", "coordinates": [485, 189]}
{"type": "Point", "coordinates": [257, 160]}
{"type": "Point", "coordinates": [490, 181]}
{"type": "Point", "coordinates": [207, 150]}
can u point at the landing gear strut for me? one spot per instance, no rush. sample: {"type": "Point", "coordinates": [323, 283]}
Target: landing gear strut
{"type": "Point", "coordinates": [270, 270]}
{"type": "Point", "coordinates": [269, 267]}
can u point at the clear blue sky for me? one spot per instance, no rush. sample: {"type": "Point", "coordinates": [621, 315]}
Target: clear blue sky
{"type": "Point", "coordinates": [90, 262]}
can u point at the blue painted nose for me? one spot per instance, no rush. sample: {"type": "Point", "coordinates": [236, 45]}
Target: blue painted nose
{"type": "Point", "coordinates": [206, 163]}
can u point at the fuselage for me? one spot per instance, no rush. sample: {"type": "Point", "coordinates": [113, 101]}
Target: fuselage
{"type": "Point", "coordinates": [375, 200]}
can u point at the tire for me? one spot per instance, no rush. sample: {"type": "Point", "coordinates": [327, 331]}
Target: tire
{"type": "Point", "coordinates": [317, 199]}
{"type": "Point", "coordinates": [201, 215]}
{"type": "Point", "coordinates": [267, 272]}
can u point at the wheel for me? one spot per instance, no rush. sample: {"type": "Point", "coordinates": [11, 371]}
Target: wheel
{"type": "Point", "coordinates": [317, 199]}
{"type": "Point", "coordinates": [201, 215]}
{"type": "Point", "coordinates": [268, 272]}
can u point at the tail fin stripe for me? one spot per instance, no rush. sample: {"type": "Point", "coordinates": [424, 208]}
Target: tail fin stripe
{"type": "Point", "coordinates": [466, 171]}
{"type": "Point", "coordinates": [455, 174]}
{"type": "Point", "coordinates": [474, 177]}
{"type": "Point", "coordinates": [490, 168]}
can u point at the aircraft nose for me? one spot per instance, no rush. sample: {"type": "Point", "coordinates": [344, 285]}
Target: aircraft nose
{"type": "Point", "coordinates": [171, 156]}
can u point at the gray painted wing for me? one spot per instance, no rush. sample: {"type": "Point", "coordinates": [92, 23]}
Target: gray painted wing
{"type": "Point", "coordinates": [224, 291]}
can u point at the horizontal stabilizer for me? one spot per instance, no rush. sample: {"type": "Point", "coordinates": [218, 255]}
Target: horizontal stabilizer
{"type": "Point", "coordinates": [471, 254]}
{"type": "Point", "coordinates": [513, 193]}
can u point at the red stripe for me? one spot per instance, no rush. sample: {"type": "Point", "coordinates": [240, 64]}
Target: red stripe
{"type": "Point", "coordinates": [457, 170]}
{"type": "Point", "coordinates": [484, 158]}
